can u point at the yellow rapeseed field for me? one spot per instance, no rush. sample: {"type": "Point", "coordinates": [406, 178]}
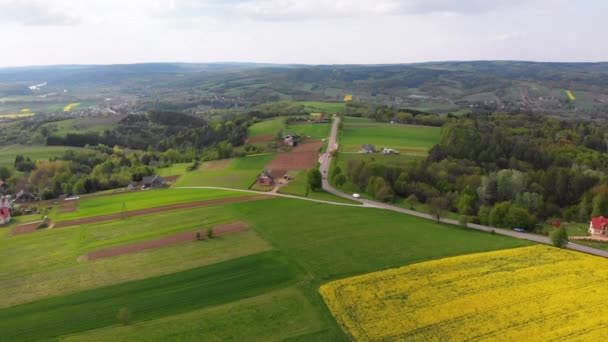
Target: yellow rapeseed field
{"type": "Point", "coordinates": [348, 98]}
{"type": "Point", "coordinates": [16, 115]}
{"type": "Point", "coordinates": [70, 107]}
{"type": "Point", "coordinates": [537, 293]}
{"type": "Point", "coordinates": [570, 95]}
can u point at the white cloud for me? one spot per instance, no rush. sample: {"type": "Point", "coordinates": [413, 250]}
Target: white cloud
{"type": "Point", "coordinates": [305, 31]}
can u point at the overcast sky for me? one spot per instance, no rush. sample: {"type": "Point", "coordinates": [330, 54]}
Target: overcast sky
{"type": "Point", "coordinates": [39, 32]}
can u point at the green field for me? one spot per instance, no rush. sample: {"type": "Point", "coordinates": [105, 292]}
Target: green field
{"type": "Point", "coordinates": [8, 153]}
{"type": "Point", "coordinates": [335, 242]}
{"type": "Point", "coordinates": [410, 140]}
{"type": "Point", "coordinates": [315, 131]}
{"type": "Point", "coordinates": [266, 127]}
{"type": "Point", "coordinates": [323, 107]}
{"type": "Point", "coordinates": [149, 298]}
{"type": "Point", "coordinates": [105, 205]}
{"type": "Point", "coordinates": [239, 173]}
{"type": "Point", "coordinates": [299, 187]}
{"type": "Point", "coordinates": [276, 316]}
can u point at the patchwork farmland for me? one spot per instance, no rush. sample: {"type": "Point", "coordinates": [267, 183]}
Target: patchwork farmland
{"type": "Point", "coordinates": [279, 251]}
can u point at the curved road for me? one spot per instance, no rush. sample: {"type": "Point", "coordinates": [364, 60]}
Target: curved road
{"type": "Point", "coordinates": [325, 161]}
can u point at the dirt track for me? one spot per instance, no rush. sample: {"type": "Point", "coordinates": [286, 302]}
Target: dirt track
{"type": "Point", "coordinates": [167, 241]}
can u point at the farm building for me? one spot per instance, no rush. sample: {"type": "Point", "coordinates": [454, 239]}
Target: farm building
{"type": "Point", "coordinates": [598, 226]}
{"type": "Point", "coordinates": [290, 140]}
{"type": "Point", "coordinates": [368, 148]}
{"type": "Point", "coordinates": [153, 182]}
{"type": "Point", "coordinates": [389, 151]}
{"type": "Point", "coordinates": [24, 197]}
{"type": "Point", "coordinates": [265, 178]}
{"type": "Point", "coordinates": [3, 186]}
{"type": "Point", "coordinates": [5, 209]}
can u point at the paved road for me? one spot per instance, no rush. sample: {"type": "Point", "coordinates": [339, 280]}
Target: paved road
{"type": "Point", "coordinates": [325, 161]}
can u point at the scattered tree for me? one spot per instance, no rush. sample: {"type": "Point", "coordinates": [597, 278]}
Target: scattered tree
{"type": "Point", "coordinates": [198, 235]}
{"type": "Point", "coordinates": [210, 233]}
{"type": "Point", "coordinates": [314, 179]}
{"type": "Point", "coordinates": [559, 237]}
{"type": "Point", "coordinates": [124, 315]}
{"type": "Point", "coordinates": [437, 205]}
{"type": "Point", "coordinates": [412, 200]}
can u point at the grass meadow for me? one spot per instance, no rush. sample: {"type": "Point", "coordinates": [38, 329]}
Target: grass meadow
{"type": "Point", "coordinates": [323, 107]}
{"type": "Point", "coordinates": [409, 140]}
{"type": "Point", "coordinates": [239, 173]}
{"type": "Point", "coordinates": [106, 205]}
{"type": "Point", "coordinates": [266, 127]}
{"type": "Point", "coordinates": [150, 298]}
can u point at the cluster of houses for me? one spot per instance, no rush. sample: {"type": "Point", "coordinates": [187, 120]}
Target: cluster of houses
{"type": "Point", "coordinates": [291, 140]}
{"type": "Point", "coordinates": [369, 148]}
{"type": "Point", "coordinates": [267, 179]}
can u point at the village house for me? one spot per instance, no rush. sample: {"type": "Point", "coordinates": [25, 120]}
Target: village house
{"type": "Point", "coordinates": [290, 140]}
{"type": "Point", "coordinates": [24, 197]}
{"type": "Point", "coordinates": [5, 209]}
{"type": "Point", "coordinates": [368, 148]}
{"type": "Point", "coordinates": [598, 226]}
{"type": "Point", "coordinates": [153, 182]}
{"type": "Point", "coordinates": [266, 178]}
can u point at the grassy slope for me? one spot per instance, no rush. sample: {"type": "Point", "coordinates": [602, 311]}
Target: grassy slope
{"type": "Point", "coordinates": [239, 173]}
{"type": "Point", "coordinates": [334, 242]}
{"type": "Point", "coordinates": [412, 140]}
{"type": "Point", "coordinates": [150, 298]}
{"type": "Point", "coordinates": [141, 200]}
{"type": "Point", "coordinates": [175, 169]}
{"type": "Point", "coordinates": [266, 127]}
{"type": "Point", "coordinates": [8, 153]}
{"type": "Point", "coordinates": [314, 130]}
{"type": "Point", "coordinates": [270, 317]}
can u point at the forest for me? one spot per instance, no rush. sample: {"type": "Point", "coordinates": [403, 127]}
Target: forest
{"type": "Point", "coordinates": [501, 170]}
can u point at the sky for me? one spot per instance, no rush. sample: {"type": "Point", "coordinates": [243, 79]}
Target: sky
{"type": "Point", "coordinates": [45, 32]}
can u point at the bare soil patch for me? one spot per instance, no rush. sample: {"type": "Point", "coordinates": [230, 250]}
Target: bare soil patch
{"type": "Point", "coordinates": [216, 165]}
{"type": "Point", "coordinates": [171, 178]}
{"type": "Point", "coordinates": [26, 228]}
{"type": "Point", "coordinates": [260, 139]}
{"type": "Point", "coordinates": [166, 241]}
{"type": "Point", "coordinates": [148, 211]}
{"type": "Point", "coordinates": [68, 206]}
{"type": "Point", "coordinates": [302, 157]}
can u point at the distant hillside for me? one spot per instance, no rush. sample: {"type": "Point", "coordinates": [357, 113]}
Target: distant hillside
{"type": "Point", "coordinates": [493, 86]}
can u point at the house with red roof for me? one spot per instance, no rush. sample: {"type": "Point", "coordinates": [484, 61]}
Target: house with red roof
{"type": "Point", "coordinates": [598, 226]}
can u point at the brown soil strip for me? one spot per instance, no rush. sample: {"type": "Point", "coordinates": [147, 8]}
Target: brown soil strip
{"type": "Point", "coordinates": [303, 157]}
{"type": "Point", "coordinates": [216, 165]}
{"type": "Point", "coordinates": [26, 228]}
{"type": "Point", "coordinates": [171, 178]}
{"type": "Point", "coordinates": [166, 241]}
{"type": "Point", "coordinates": [148, 211]}
{"type": "Point", "coordinates": [260, 139]}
